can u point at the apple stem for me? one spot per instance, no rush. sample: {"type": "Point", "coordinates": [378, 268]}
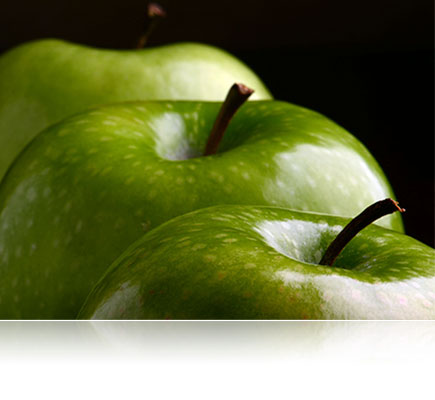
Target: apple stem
{"type": "Point", "coordinates": [237, 95]}
{"type": "Point", "coordinates": [369, 215]}
{"type": "Point", "coordinates": [155, 13]}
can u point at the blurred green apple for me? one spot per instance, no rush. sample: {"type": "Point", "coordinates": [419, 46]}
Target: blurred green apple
{"type": "Point", "coordinates": [42, 82]}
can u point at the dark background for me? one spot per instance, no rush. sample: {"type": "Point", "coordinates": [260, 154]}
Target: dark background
{"type": "Point", "coordinates": [368, 65]}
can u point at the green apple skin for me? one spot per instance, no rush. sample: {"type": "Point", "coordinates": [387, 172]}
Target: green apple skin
{"type": "Point", "coordinates": [248, 262]}
{"type": "Point", "coordinates": [44, 81]}
{"type": "Point", "coordinates": [86, 188]}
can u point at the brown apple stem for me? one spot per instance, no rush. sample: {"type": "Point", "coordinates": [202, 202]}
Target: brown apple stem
{"type": "Point", "coordinates": [236, 96]}
{"type": "Point", "coordinates": [369, 215]}
{"type": "Point", "coordinates": [155, 13]}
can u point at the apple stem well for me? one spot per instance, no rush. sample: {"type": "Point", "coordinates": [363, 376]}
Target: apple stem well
{"type": "Point", "coordinates": [369, 215]}
{"type": "Point", "coordinates": [237, 95]}
{"type": "Point", "coordinates": [154, 15]}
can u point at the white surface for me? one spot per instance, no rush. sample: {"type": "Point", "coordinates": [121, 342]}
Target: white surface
{"type": "Point", "coordinates": [217, 360]}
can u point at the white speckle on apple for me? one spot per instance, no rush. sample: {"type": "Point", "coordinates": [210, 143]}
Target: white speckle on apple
{"type": "Point", "coordinates": [219, 219]}
{"type": "Point", "coordinates": [31, 194]}
{"type": "Point", "coordinates": [191, 179]}
{"type": "Point", "coordinates": [230, 240]}
{"type": "Point", "coordinates": [46, 192]}
{"type": "Point", "coordinates": [159, 172]}
{"type": "Point", "coordinates": [128, 156]}
{"type": "Point", "coordinates": [216, 176]}
{"type": "Point", "coordinates": [139, 121]}
{"type": "Point", "coordinates": [67, 206]}
{"type": "Point", "coordinates": [79, 226]}
{"type": "Point", "coordinates": [246, 176]}
{"type": "Point", "coordinates": [106, 170]}
{"type": "Point", "coordinates": [250, 265]}
{"type": "Point", "coordinates": [105, 138]}
{"type": "Point", "coordinates": [183, 244]}
{"type": "Point", "coordinates": [109, 122]}
{"type": "Point", "coordinates": [198, 246]}
{"type": "Point", "coordinates": [210, 257]}
{"type": "Point", "coordinates": [33, 247]}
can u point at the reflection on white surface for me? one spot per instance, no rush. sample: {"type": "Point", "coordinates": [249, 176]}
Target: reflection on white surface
{"type": "Point", "coordinates": [370, 341]}
{"type": "Point", "coordinates": [216, 360]}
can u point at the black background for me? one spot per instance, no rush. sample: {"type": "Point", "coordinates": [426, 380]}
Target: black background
{"type": "Point", "coordinates": [368, 65]}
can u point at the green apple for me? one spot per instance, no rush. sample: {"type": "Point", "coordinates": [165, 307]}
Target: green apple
{"type": "Point", "coordinates": [87, 187]}
{"type": "Point", "coordinates": [249, 262]}
{"type": "Point", "coordinates": [42, 82]}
